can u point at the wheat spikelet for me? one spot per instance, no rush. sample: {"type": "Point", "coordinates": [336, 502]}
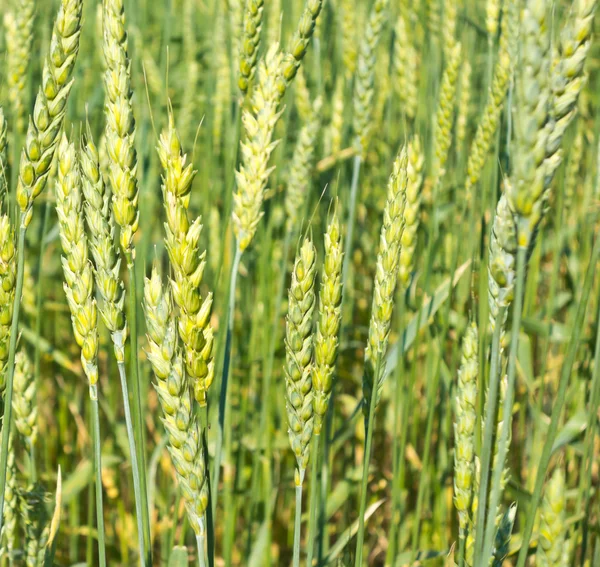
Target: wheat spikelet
{"type": "Point", "coordinates": [445, 112]}
{"type": "Point", "coordinates": [35, 521]}
{"type": "Point", "coordinates": [302, 97]}
{"type": "Point", "coordinates": [449, 32]}
{"type": "Point", "coordinates": [298, 355]}
{"type": "Point", "coordinates": [3, 155]}
{"type": "Point", "coordinates": [329, 320]}
{"type": "Point", "coordinates": [349, 27]}
{"type": "Point", "coordinates": [19, 37]}
{"type": "Point", "coordinates": [333, 141]}
{"type": "Point", "coordinates": [8, 276]}
{"type": "Point", "coordinates": [46, 122]}
{"type": "Point", "coordinates": [525, 190]}
{"type": "Point", "coordinates": [364, 86]}
{"type": "Point", "coordinates": [552, 522]}
{"type": "Point", "coordinates": [492, 14]}
{"type": "Point", "coordinates": [406, 62]}
{"type": "Point", "coordinates": [101, 229]}
{"type": "Point", "coordinates": [253, 15]}
{"type": "Point", "coordinates": [25, 399]}
{"type": "Point", "coordinates": [412, 211]}
{"type": "Point", "coordinates": [464, 427]}
{"type": "Point", "coordinates": [299, 177]}
{"type": "Point", "coordinates": [573, 167]}
{"type": "Point", "coordinates": [120, 125]}
{"type": "Point", "coordinates": [187, 263]}
{"type": "Point", "coordinates": [173, 389]}
{"type": "Point", "coordinates": [259, 122]}
{"type": "Point", "coordinates": [464, 101]}
{"type": "Point", "coordinates": [488, 123]}
{"type": "Point", "coordinates": [386, 275]}
{"type": "Point", "coordinates": [77, 267]}
{"type": "Point", "coordinates": [470, 542]}
{"type": "Point", "coordinates": [11, 505]}
{"type": "Point", "coordinates": [502, 263]}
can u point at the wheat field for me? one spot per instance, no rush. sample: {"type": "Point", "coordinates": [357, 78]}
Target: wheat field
{"type": "Point", "coordinates": [299, 282]}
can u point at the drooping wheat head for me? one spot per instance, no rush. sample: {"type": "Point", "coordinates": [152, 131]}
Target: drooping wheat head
{"type": "Point", "coordinates": [77, 267]}
{"type": "Point", "coordinates": [120, 125]}
{"type": "Point", "coordinates": [46, 122]}
{"type": "Point", "coordinates": [386, 275]}
{"type": "Point", "coordinates": [187, 263]}
{"type": "Point", "coordinates": [328, 322]}
{"type": "Point", "coordinates": [299, 355]}
{"type": "Point", "coordinates": [464, 427]}
{"type": "Point", "coordinates": [173, 389]}
{"type": "Point", "coordinates": [101, 230]}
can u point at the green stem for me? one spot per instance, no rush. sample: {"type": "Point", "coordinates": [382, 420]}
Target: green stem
{"type": "Point", "coordinates": [98, 474]}
{"type": "Point", "coordinates": [298, 520]}
{"type": "Point", "coordinates": [366, 461]}
{"type": "Point", "coordinates": [32, 468]}
{"type": "Point", "coordinates": [14, 329]}
{"type": "Point", "coordinates": [201, 553]}
{"type": "Point", "coordinates": [488, 429]}
{"type": "Point", "coordinates": [225, 378]}
{"type": "Point", "coordinates": [137, 490]}
{"type": "Point", "coordinates": [502, 442]}
{"type": "Point", "coordinates": [461, 551]}
{"type": "Point", "coordinates": [138, 423]}
{"type": "Point", "coordinates": [314, 499]}
{"type": "Point", "coordinates": [351, 217]}
{"type": "Point", "coordinates": [558, 403]}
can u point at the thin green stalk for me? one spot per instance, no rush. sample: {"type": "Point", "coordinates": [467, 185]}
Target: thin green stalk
{"type": "Point", "coordinates": [32, 467]}
{"type": "Point", "coordinates": [488, 429]}
{"type": "Point", "coordinates": [138, 423]}
{"type": "Point", "coordinates": [225, 377]}
{"type": "Point", "coordinates": [8, 393]}
{"type": "Point", "coordinates": [366, 461]}
{"type": "Point", "coordinates": [584, 494]}
{"type": "Point", "coordinates": [558, 403]}
{"type": "Point", "coordinates": [351, 217]}
{"type": "Point", "coordinates": [461, 551]}
{"type": "Point", "coordinates": [487, 541]}
{"type": "Point", "coordinates": [134, 462]}
{"type": "Point", "coordinates": [314, 498]}
{"type": "Point", "coordinates": [201, 552]}
{"type": "Point", "coordinates": [298, 520]}
{"type": "Point", "coordinates": [98, 474]}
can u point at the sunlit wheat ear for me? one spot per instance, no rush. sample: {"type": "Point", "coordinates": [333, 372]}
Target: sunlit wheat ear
{"type": "Point", "coordinates": [45, 124]}
{"type": "Point", "coordinates": [299, 177]}
{"type": "Point", "coordinates": [259, 123]}
{"type": "Point", "coordinates": [412, 211]}
{"type": "Point", "coordinates": [464, 427]}
{"type": "Point", "coordinates": [552, 522]}
{"type": "Point", "coordinates": [24, 400]}
{"type": "Point", "coordinates": [120, 125]}
{"type": "Point", "coordinates": [328, 321]}
{"type": "Point", "coordinates": [101, 230]}
{"type": "Point", "coordinates": [8, 275]}
{"type": "Point", "coordinates": [364, 85]}
{"type": "Point", "coordinates": [187, 263]}
{"type": "Point", "coordinates": [173, 389]}
{"type": "Point", "coordinates": [299, 355]}
{"type": "Point", "coordinates": [386, 275]}
{"type": "Point", "coordinates": [77, 267]}
{"type": "Point", "coordinates": [18, 26]}
{"type": "Point", "coordinates": [253, 16]}
{"type": "Point", "coordinates": [529, 167]}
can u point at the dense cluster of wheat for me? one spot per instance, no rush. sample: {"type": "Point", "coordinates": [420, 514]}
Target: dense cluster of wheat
{"type": "Point", "coordinates": [361, 240]}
